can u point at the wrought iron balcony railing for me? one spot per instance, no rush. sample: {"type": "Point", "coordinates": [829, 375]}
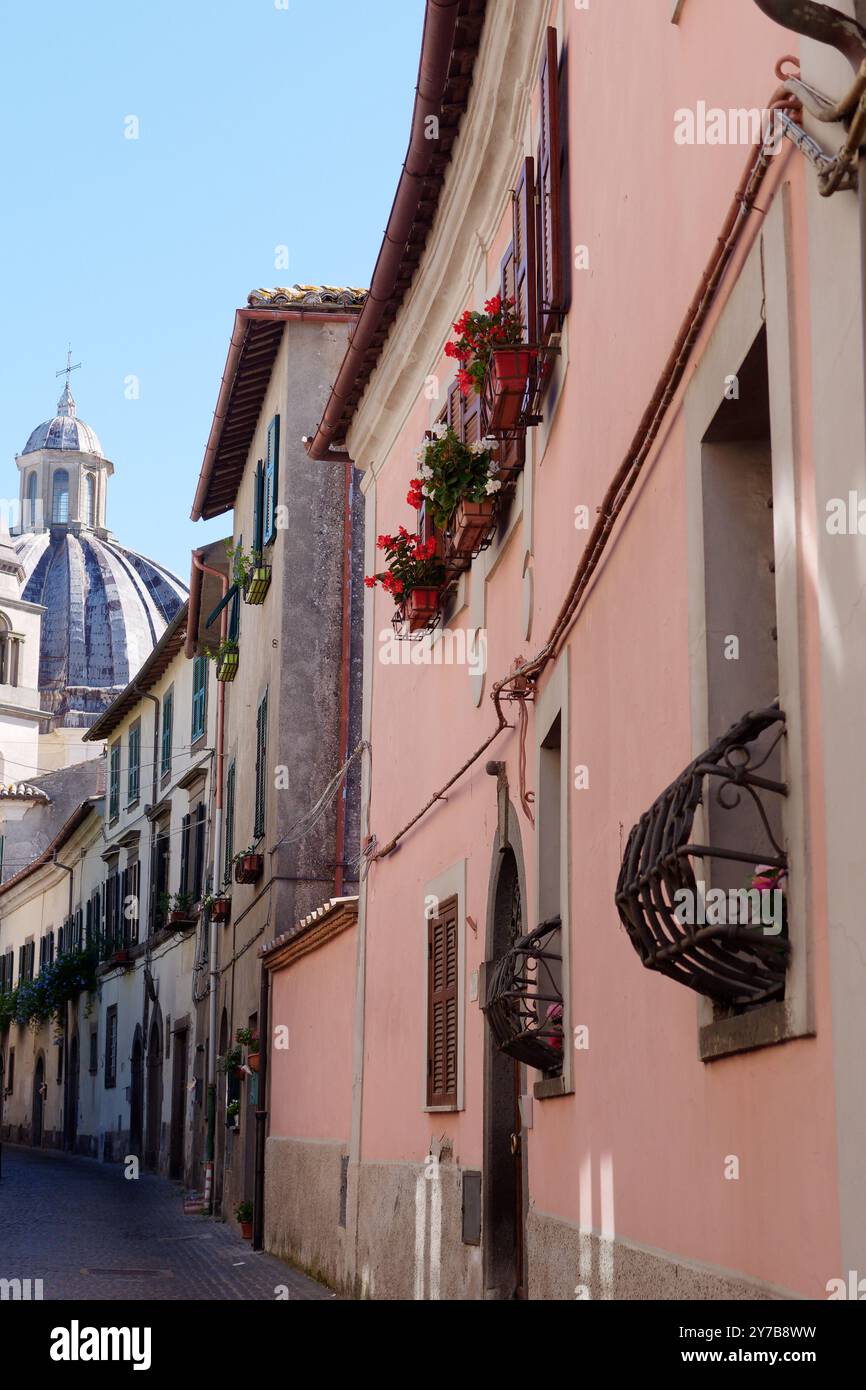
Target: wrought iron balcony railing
{"type": "Point", "coordinates": [524, 1000]}
{"type": "Point", "coordinates": [716, 937]}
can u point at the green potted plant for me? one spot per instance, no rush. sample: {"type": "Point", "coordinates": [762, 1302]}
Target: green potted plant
{"type": "Point", "coordinates": [414, 578]}
{"type": "Point", "coordinates": [251, 574]}
{"type": "Point", "coordinates": [180, 913]}
{"type": "Point", "coordinates": [227, 658]}
{"type": "Point", "coordinates": [233, 1111]}
{"type": "Point", "coordinates": [244, 1214]}
{"type": "Point", "coordinates": [218, 906]}
{"type": "Point", "coordinates": [494, 361]}
{"type": "Point", "coordinates": [457, 483]}
{"type": "Point", "coordinates": [250, 1041]}
{"type": "Point", "coordinates": [232, 1061]}
{"type": "Point", "coordinates": [248, 865]}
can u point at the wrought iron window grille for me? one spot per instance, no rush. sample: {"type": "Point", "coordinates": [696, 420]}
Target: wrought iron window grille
{"type": "Point", "coordinates": [524, 1001]}
{"type": "Point", "coordinates": [739, 965]}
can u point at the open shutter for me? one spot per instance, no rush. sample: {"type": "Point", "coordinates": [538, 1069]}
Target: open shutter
{"type": "Point", "coordinates": [184, 854]}
{"type": "Point", "coordinates": [261, 760]}
{"type": "Point", "coordinates": [454, 413]}
{"type": "Point", "coordinates": [31, 960]}
{"type": "Point", "coordinates": [525, 260]}
{"type": "Point", "coordinates": [549, 194]}
{"type": "Point", "coordinates": [77, 929]}
{"type": "Point", "coordinates": [258, 508]}
{"type": "Point", "coordinates": [272, 481]}
{"type": "Point", "coordinates": [198, 873]}
{"type": "Point", "coordinates": [511, 451]}
{"type": "Point", "coordinates": [442, 1005]}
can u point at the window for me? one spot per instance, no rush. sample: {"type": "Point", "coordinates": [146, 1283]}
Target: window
{"type": "Point", "coordinates": [113, 914]}
{"type": "Point", "coordinates": [199, 696]}
{"type": "Point", "coordinates": [197, 887]}
{"type": "Point", "coordinates": [114, 782]}
{"type": "Point", "coordinates": [184, 853]}
{"type": "Point", "coordinates": [229, 824]}
{"type": "Point", "coordinates": [548, 195]}
{"type": "Point", "coordinates": [442, 1006]}
{"type": "Point", "coordinates": [60, 496]}
{"type": "Point", "coordinates": [129, 901]}
{"type": "Point", "coordinates": [134, 775]}
{"type": "Point", "coordinates": [161, 861]}
{"type": "Point", "coordinates": [30, 519]}
{"type": "Point", "coordinates": [8, 653]}
{"type": "Point", "coordinates": [7, 972]}
{"type": "Point", "coordinates": [167, 720]}
{"type": "Point", "coordinates": [261, 769]}
{"type": "Point", "coordinates": [258, 508]}
{"type": "Point", "coordinates": [271, 482]}
{"type": "Point", "coordinates": [89, 500]}
{"type": "Point", "coordinates": [26, 961]}
{"type": "Point", "coordinates": [94, 1052]}
{"type": "Point", "coordinates": [111, 1047]}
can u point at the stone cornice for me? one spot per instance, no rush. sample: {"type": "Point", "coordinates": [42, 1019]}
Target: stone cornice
{"type": "Point", "coordinates": [475, 197]}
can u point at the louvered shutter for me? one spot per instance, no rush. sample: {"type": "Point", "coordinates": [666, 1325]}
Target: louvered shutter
{"type": "Point", "coordinates": [198, 871]}
{"type": "Point", "coordinates": [442, 1007]}
{"type": "Point", "coordinates": [454, 413]}
{"type": "Point", "coordinates": [272, 481]}
{"type": "Point", "coordinates": [184, 855]}
{"type": "Point", "coordinates": [43, 945]}
{"type": "Point", "coordinates": [511, 451]}
{"type": "Point", "coordinates": [230, 823]}
{"type": "Point", "coordinates": [258, 508]}
{"type": "Point", "coordinates": [77, 936]}
{"type": "Point", "coordinates": [31, 960]}
{"type": "Point", "coordinates": [261, 771]}
{"type": "Point", "coordinates": [134, 889]}
{"type": "Point", "coordinates": [549, 194]}
{"type": "Point", "coordinates": [525, 260]}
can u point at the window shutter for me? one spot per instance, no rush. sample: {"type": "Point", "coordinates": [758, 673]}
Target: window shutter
{"type": "Point", "coordinates": [198, 873]}
{"type": "Point", "coordinates": [258, 508]}
{"type": "Point", "coordinates": [21, 959]}
{"type": "Point", "coordinates": [272, 481]}
{"type": "Point", "coordinates": [511, 451]}
{"type": "Point", "coordinates": [261, 759]}
{"type": "Point", "coordinates": [230, 823]}
{"type": "Point", "coordinates": [134, 889]}
{"type": "Point", "coordinates": [549, 193]}
{"type": "Point", "coordinates": [167, 713]}
{"type": "Point", "coordinates": [471, 425]}
{"type": "Point", "coordinates": [31, 960]}
{"type": "Point", "coordinates": [43, 946]}
{"type": "Point", "coordinates": [184, 855]}
{"type": "Point", "coordinates": [525, 261]}
{"type": "Point", "coordinates": [442, 1006]}
{"type": "Point", "coordinates": [454, 414]}
{"type": "Point", "coordinates": [88, 922]}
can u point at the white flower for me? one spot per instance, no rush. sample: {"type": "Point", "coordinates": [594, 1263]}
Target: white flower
{"type": "Point", "coordinates": [493, 485]}
{"type": "Point", "coordinates": [438, 430]}
{"type": "Point", "coordinates": [426, 491]}
{"type": "Point", "coordinates": [477, 448]}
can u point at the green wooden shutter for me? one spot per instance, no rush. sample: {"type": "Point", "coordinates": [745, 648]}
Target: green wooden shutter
{"type": "Point", "coordinates": [261, 760]}
{"type": "Point", "coordinates": [167, 720]}
{"type": "Point", "coordinates": [199, 696]}
{"type": "Point", "coordinates": [272, 481]}
{"type": "Point", "coordinates": [258, 508]}
{"type": "Point", "coordinates": [229, 824]}
{"type": "Point", "coordinates": [184, 854]}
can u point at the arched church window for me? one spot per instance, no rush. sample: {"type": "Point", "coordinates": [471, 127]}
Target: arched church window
{"type": "Point", "coordinates": [60, 501]}
{"type": "Point", "coordinates": [8, 653]}
{"type": "Point", "coordinates": [90, 500]}
{"type": "Point", "coordinates": [30, 519]}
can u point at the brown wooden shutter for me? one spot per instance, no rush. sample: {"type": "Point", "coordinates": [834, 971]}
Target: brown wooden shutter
{"type": "Point", "coordinates": [549, 194]}
{"type": "Point", "coordinates": [454, 412]}
{"type": "Point", "coordinates": [471, 418]}
{"type": "Point", "coordinates": [442, 1006]}
{"type": "Point", "coordinates": [511, 451]}
{"type": "Point", "coordinates": [525, 259]}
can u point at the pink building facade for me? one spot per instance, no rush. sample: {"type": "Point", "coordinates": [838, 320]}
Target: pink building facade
{"type": "Point", "coordinates": [531, 1111]}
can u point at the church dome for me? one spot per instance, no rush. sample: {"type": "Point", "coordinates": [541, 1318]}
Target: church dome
{"type": "Point", "coordinates": [106, 608]}
{"type": "Point", "coordinates": [65, 431]}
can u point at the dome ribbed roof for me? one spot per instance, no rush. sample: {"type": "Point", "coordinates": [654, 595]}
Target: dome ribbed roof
{"type": "Point", "coordinates": [65, 431]}
{"type": "Point", "coordinates": [106, 608]}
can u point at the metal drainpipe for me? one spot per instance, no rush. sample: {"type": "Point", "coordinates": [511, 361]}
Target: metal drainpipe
{"type": "Point", "coordinates": [345, 677]}
{"type": "Point", "coordinates": [213, 974]}
{"type": "Point", "coordinates": [148, 954]}
{"type": "Point", "coordinates": [66, 1125]}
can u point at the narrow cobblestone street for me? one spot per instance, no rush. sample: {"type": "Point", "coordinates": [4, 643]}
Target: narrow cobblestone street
{"type": "Point", "coordinates": [89, 1233]}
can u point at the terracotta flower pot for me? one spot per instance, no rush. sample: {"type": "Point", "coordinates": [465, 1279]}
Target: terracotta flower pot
{"type": "Point", "coordinates": [247, 1230]}
{"type": "Point", "coordinates": [249, 868]}
{"type": "Point", "coordinates": [509, 375]}
{"type": "Point", "coordinates": [253, 1061]}
{"type": "Point", "coordinates": [472, 521]}
{"type": "Point", "coordinates": [421, 607]}
{"type": "Point", "coordinates": [221, 909]}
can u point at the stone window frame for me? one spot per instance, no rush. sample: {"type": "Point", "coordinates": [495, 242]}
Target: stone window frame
{"type": "Point", "coordinates": [761, 298]}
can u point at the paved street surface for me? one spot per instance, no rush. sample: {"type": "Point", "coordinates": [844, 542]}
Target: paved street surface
{"type": "Point", "coordinates": [89, 1233]}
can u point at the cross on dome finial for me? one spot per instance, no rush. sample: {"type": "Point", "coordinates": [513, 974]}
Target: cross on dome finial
{"type": "Point", "coordinates": [66, 404]}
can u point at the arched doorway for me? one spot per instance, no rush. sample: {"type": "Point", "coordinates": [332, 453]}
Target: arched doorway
{"type": "Point", "coordinates": [504, 1156]}
{"type": "Point", "coordinates": [72, 1096]}
{"type": "Point", "coordinates": [136, 1096]}
{"type": "Point", "coordinates": [38, 1103]}
{"type": "Point", "coordinates": [154, 1096]}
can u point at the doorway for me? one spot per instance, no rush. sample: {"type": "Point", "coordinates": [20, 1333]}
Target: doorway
{"type": "Point", "coordinates": [178, 1105]}
{"type": "Point", "coordinates": [38, 1103]}
{"type": "Point", "coordinates": [504, 1159]}
{"type": "Point", "coordinates": [154, 1096]}
{"type": "Point", "coordinates": [136, 1097]}
{"type": "Point", "coordinates": [72, 1097]}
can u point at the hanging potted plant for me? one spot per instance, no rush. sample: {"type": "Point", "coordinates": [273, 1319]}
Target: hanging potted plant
{"type": "Point", "coordinates": [244, 1214]}
{"type": "Point", "coordinates": [227, 658]}
{"type": "Point", "coordinates": [494, 360]}
{"type": "Point", "coordinates": [250, 1041]}
{"type": "Point", "coordinates": [232, 1062]}
{"type": "Point", "coordinates": [219, 906]}
{"type": "Point", "coordinates": [414, 578]}
{"type": "Point", "coordinates": [248, 865]}
{"type": "Point", "coordinates": [457, 482]}
{"type": "Point", "coordinates": [233, 1113]}
{"type": "Point", "coordinates": [251, 574]}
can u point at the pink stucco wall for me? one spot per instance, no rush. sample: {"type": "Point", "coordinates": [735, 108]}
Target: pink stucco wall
{"type": "Point", "coordinates": [648, 1123]}
{"type": "Point", "coordinates": [310, 1082]}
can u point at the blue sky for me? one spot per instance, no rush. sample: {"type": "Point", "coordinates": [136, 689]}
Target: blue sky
{"type": "Point", "coordinates": [260, 124]}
